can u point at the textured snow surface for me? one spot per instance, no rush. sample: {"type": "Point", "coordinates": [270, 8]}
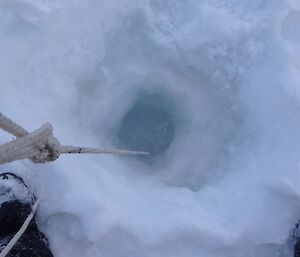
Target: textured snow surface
{"type": "Point", "coordinates": [225, 183]}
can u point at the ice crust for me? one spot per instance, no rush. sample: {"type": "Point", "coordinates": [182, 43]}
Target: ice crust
{"type": "Point", "coordinates": [228, 185]}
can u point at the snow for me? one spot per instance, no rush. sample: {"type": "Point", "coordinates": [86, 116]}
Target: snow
{"type": "Point", "coordinates": [228, 183]}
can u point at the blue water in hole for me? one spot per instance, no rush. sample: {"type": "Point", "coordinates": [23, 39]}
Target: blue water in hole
{"type": "Point", "coordinates": [148, 126]}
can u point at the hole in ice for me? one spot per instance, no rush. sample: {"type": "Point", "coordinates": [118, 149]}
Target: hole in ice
{"type": "Point", "coordinates": [65, 223]}
{"type": "Point", "coordinates": [148, 126]}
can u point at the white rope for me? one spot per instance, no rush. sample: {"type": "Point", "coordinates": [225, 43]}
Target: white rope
{"type": "Point", "coordinates": [21, 231]}
{"type": "Point", "coordinates": [41, 146]}
{"type": "Point", "coordinates": [26, 223]}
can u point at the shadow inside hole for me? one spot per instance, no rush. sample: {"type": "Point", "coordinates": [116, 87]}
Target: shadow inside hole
{"type": "Point", "coordinates": [148, 126]}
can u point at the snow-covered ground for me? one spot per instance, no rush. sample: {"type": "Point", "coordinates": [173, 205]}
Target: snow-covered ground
{"type": "Point", "coordinates": [225, 73]}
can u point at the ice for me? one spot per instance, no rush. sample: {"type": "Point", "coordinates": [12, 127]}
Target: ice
{"type": "Point", "coordinates": [148, 126]}
{"type": "Point", "coordinates": [290, 27]}
{"type": "Point", "coordinates": [221, 76]}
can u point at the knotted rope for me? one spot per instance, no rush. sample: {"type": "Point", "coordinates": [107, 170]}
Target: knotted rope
{"type": "Point", "coordinates": [41, 146]}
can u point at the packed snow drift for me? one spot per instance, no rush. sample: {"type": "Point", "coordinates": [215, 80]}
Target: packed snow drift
{"type": "Point", "coordinates": [210, 88]}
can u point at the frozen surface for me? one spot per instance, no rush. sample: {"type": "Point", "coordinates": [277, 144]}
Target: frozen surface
{"type": "Point", "coordinates": [225, 181]}
{"type": "Point", "coordinates": [148, 126]}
